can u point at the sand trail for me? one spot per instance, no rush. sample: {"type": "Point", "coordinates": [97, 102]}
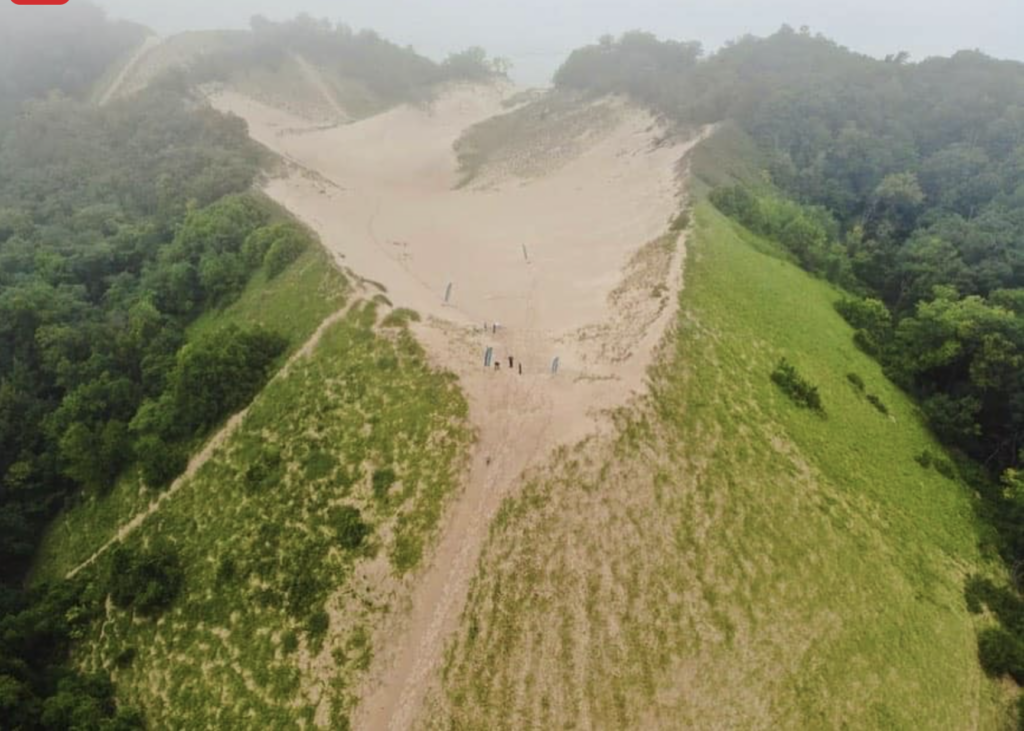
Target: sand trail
{"type": "Point", "coordinates": [148, 44]}
{"type": "Point", "coordinates": [316, 80]}
{"type": "Point", "coordinates": [383, 195]}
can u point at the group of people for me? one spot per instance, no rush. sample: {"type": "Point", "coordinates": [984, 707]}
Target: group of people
{"type": "Point", "coordinates": [494, 327]}
{"type": "Point", "coordinates": [511, 362]}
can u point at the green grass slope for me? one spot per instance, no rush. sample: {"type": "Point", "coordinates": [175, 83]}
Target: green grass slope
{"type": "Point", "coordinates": [277, 612]}
{"type": "Point", "coordinates": [728, 560]}
{"type": "Point", "coordinates": [293, 304]}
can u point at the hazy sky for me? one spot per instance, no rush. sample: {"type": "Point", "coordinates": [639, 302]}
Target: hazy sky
{"type": "Point", "coordinates": [537, 34]}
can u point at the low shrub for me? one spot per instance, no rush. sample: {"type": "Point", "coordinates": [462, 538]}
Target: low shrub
{"type": "Point", "coordinates": [227, 571]}
{"type": "Point", "coordinates": [945, 468]}
{"type": "Point", "coordinates": [160, 463]}
{"type": "Point", "coordinates": [878, 404]}
{"type": "Point", "coordinates": [147, 580]}
{"type": "Point", "coordinates": [264, 471]}
{"type": "Point", "coordinates": [1001, 653]}
{"type": "Point", "coordinates": [866, 343]}
{"type": "Point", "coordinates": [279, 245]}
{"type": "Point", "coordinates": [348, 524]}
{"type": "Point", "coordinates": [382, 480]}
{"type": "Point", "coordinates": [316, 629]}
{"type": "Point", "coordinates": [125, 657]}
{"type": "Point", "coordinates": [924, 459]}
{"type": "Point", "coordinates": [799, 390]}
{"type": "Point", "coordinates": [680, 222]}
{"type": "Point", "coordinates": [856, 381]}
{"type": "Point", "coordinates": [400, 317]}
{"type": "Point", "coordinates": [319, 464]}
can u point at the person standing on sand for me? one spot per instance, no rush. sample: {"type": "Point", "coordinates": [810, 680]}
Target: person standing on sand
{"type": "Point", "coordinates": [510, 362]}
{"type": "Point", "coordinates": [520, 367]}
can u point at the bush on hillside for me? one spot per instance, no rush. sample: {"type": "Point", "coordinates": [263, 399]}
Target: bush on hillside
{"type": "Point", "coordinates": [159, 462]}
{"type": "Point", "coordinates": [799, 390]}
{"type": "Point", "coordinates": [265, 470]}
{"type": "Point", "coordinates": [382, 480]}
{"type": "Point", "coordinates": [146, 580]}
{"type": "Point", "coordinates": [945, 468]}
{"type": "Point", "coordinates": [1001, 653]}
{"type": "Point", "coordinates": [219, 373]}
{"type": "Point", "coordinates": [856, 381]}
{"type": "Point", "coordinates": [349, 526]}
{"type": "Point", "coordinates": [681, 222]}
{"type": "Point", "coordinates": [285, 248]}
{"type": "Point", "coordinates": [316, 629]}
{"type": "Point", "coordinates": [878, 404]}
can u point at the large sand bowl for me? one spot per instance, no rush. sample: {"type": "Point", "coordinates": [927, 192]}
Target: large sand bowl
{"type": "Point", "coordinates": [383, 195]}
{"type": "Point", "coordinates": [397, 217]}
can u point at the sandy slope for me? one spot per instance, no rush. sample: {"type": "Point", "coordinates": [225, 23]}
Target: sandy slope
{"type": "Point", "coordinates": [381, 193]}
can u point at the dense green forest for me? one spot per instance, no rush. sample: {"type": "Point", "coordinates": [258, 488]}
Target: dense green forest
{"type": "Point", "coordinates": [904, 184]}
{"type": "Point", "coordinates": [119, 226]}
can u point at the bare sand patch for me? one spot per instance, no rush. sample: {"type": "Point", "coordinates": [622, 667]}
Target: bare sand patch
{"type": "Point", "coordinates": [552, 256]}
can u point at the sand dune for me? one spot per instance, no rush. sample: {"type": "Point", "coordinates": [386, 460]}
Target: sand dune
{"type": "Point", "coordinates": [573, 261]}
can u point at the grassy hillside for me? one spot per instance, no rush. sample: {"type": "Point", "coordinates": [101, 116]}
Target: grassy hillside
{"type": "Point", "coordinates": [270, 544]}
{"type": "Point", "coordinates": [293, 304]}
{"type": "Point", "coordinates": [728, 559]}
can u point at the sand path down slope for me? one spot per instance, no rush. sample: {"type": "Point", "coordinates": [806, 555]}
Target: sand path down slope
{"type": "Point", "coordinates": [562, 260]}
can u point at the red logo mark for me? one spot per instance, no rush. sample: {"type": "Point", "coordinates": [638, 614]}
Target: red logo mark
{"type": "Point", "coordinates": [40, 2]}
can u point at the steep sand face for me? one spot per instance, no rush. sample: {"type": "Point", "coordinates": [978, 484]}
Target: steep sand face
{"type": "Point", "coordinates": [573, 262]}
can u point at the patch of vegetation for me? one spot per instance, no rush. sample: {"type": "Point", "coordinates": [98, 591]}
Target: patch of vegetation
{"type": "Point", "coordinates": [382, 481]}
{"type": "Point", "coordinates": [856, 381]}
{"type": "Point", "coordinates": [808, 233]}
{"type": "Point", "coordinates": [147, 580]}
{"type": "Point", "coordinates": [349, 527]}
{"type": "Point", "coordinates": [799, 390]}
{"type": "Point", "coordinates": [275, 247]}
{"type": "Point", "coordinates": [400, 317]}
{"type": "Point", "coordinates": [681, 222]}
{"type": "Point", "coordinates": [878, 404]}
{"type": "Point", "coordinates": [531, 139]}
